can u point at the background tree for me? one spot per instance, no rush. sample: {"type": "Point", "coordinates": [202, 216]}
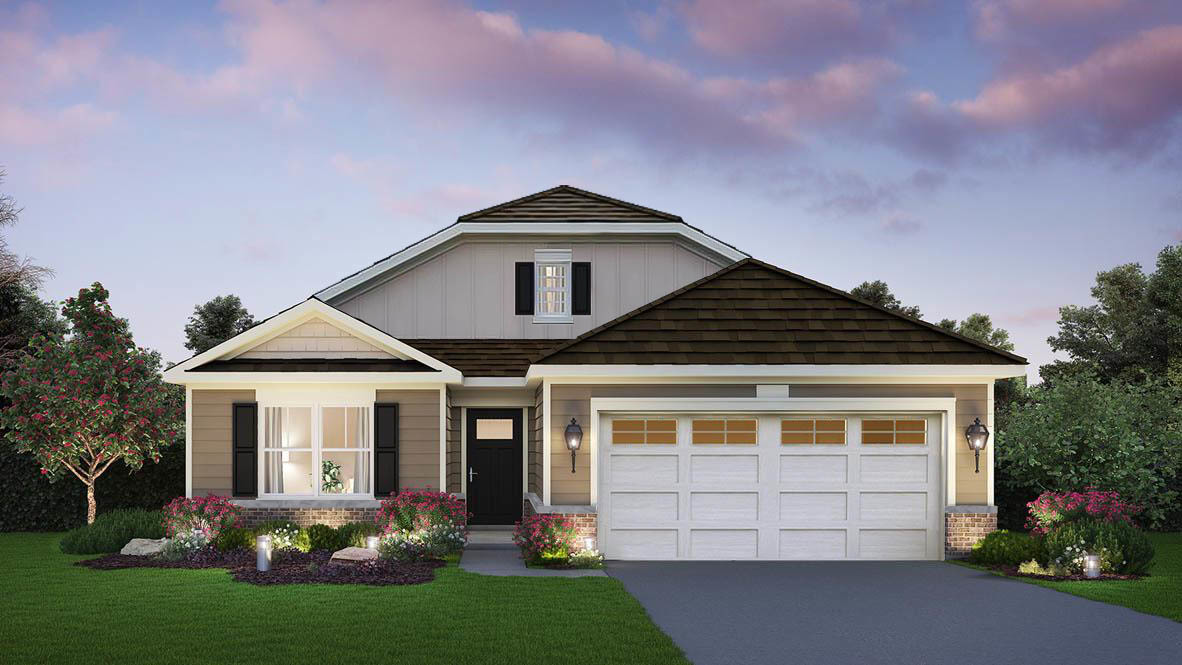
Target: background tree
{"type": "Point", "coordinates": [80, 402]}
{"type": "Point", "coordinates": [980, 327]}
{"type": "Point", "coordinates": [215, 322]}
{"type": "Point", "coordinates": [880, 294]}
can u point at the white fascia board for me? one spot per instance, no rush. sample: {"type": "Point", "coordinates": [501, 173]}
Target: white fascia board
{"type": "Point", "coordinates": [392, 380]}
{"type": "Point", "coordinates": [965, 373]}
{"type": "Point", "coordinates": [495, 382]}
{"type": "Point", "coordinates": [530, 228]}
{"type": "Point", "coordinates": [306, 311]}
{"type": "Point", "coordinates": [762, 404]}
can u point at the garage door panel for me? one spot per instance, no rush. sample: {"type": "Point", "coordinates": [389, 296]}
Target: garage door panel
{"type": "Point", "coordinates": [812, 544]}
{"type": "Point", "coordinates": [814, 469]}
{"type": "Point", "coordinates": [892, 543]}
{"type": "Point", "coordinates": [893, 506]}
{"type": "Point", "coordinates": [643, 470]}
{"type": "Point", "coordinates": [724, 506]}
{"type": "Point", "coordinates": [813, 506]}
{"type": "Point", "coordinates": [724, 543]}
{"type": "Point", "coordinates": [643, 508]}
{"type": "Point", "coordinates": [890, 469]}
{"type": "Point", "coordinates": [724, 469]}
{"type": "Point", "coordinates": [644, 543]}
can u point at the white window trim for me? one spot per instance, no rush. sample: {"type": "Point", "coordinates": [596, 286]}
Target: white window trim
{"type": "Point", "coordinates": [553, 257]}
{"type": "Point", "coordinates": [317, 451]}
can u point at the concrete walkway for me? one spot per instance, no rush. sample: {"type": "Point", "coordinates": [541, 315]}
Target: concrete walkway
{"type": "Point", "coordinates": [491, 551]}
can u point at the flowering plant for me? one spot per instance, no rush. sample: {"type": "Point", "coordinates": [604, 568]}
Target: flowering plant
{"type": "Point", "coordinates": [586, 559]}
{"type": "Point", "coordinates": [433, 542]}
{"type": "Point", "coordinates": [1051, 508]}
{"type": "Point", "coordinates": [547, 536]}
{"type": "Point", "coordinates": [284, 535]}
{"type": "Point", "coordinates": [207, 514]}
{"type": "Point", "coordinates": [185, 545]}
{"type": "Point", "coordinates": [421, 524]}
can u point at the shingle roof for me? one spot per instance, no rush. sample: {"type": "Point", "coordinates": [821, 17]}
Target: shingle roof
{"type": "Point", "coordinates": [753, 313]}
{"type": "Point", "coordinates": [314, 365]}
{"type": "Point", "coordinates": [485, 357]}
{"type": "Point", "coordinates": [568, 204]}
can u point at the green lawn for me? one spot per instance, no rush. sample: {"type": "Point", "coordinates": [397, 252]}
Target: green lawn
{"type": "Point", "coordinates": [56, 612]}
{"type": "Point", "coordinates": [1160, 593]}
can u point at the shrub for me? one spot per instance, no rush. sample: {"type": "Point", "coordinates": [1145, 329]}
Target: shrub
{"type": "Point", "coordinates": [111, 531]}
{"type": "Point", "coordinates": [353, 534]}
{"type": "Point", "coordinates": [324, 537]}
{"type": "Point", "coordinates": [434, 542]}
{"type": "Point", "coordinates": [285, 535]}
{"type": "Point", "coordinates": [1007, 548]}
{"type": "Point", "coordinates": [586, 559]}
{"type": "Point", "coordinates": [234, 538]}
{"type": "Point", "coordinates": [545, 536]}
{"type": "Point", "coordinates": [185, 545]}
{"type": "Point", "coordinates": [208, 514]}
{"type": "Point", "coordinates": [411, 510]}
{"type": "Point", "coordinates": [1123, 548]}
{"type": "Point", "coordinates": [1033, 567]}
{"type": "Point", "coordinates": [1051, 508]}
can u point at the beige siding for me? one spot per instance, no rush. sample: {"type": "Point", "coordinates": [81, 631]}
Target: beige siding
{"type": "Point", "coordinates": [454, 450]}
{"type": "Point", "coordinates": [315, 339]}
{"type": "Point", "coordinates": [972, 401]}
{"type": "Point", "coordinates": [418, 436]}
{"type": "Point", "coordinates": [534, 426]}
{"type": "Point", "coordinates": [212, 422]}
{"type": "Point", "coordinates": [467, 292]}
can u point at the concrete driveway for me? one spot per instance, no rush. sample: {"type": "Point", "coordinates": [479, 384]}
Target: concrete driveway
{"type": "Point", "coordinates": [864, 613]}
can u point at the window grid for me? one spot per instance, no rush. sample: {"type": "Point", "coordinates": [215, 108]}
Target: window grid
{"type": "Point", "coordinates": [713, 431]}
{"type": "Point", "coordinates": [553, 289]}
{"type": "Point", "coordinates": [277, 430]}
{"type": "Point", "coordinates": [892, 432]}
{"type": "Point", "coordinates": [813, 431]}
{"type": "Point", "coordinates": [644, 431]}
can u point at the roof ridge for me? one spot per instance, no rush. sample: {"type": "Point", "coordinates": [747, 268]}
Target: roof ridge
{"type": "Point", "coordinates": [575, 190]}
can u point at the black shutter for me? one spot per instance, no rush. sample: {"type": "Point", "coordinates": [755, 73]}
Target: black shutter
{"type": "Point", "coordinates": [524, 288]}
{"type": "Point", "coordinates": [580, 288]}
{"type": "Point", "coordinates": [385, 449]}
{"type": "Point", "coordinates": [245, 449]}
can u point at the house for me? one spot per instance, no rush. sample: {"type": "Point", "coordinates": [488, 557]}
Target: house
{"type": "Point", "coordinates": [722, 408]}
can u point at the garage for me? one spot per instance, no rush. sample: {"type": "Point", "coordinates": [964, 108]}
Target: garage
{"type": "Point", "coordinates": [773, 485]}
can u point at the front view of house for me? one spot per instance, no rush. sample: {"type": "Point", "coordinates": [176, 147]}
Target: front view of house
{"type": "Point", "coordinates": [571, 353]}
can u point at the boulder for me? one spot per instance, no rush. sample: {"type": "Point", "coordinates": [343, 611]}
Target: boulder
{"type": "Point", "coordinates": [354, 555]}
{"type": "Point", "coordinates": [144, 546]}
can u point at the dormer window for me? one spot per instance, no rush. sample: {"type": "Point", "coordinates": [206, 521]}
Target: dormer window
{"type": "Point", "coordinates": [552, 286]}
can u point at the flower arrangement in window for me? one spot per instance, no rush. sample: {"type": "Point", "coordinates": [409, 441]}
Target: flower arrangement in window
{"type": "Point", "coordinates": [330, 477]}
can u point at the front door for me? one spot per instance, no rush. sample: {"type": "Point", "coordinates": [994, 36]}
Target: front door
{"type": "Point", "coordinates": [494, 465]}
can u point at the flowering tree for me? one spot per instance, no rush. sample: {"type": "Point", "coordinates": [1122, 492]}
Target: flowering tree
{"type": "Point", "coordinates": [81, 401]}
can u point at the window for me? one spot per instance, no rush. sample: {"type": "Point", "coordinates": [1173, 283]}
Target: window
{"type": "Point", "coordinates": [913, 431]}
{"type": "Point", "coordinates": [650, 431]}
{"type": "Point", "coordinates": [316, 451]}
{"type": "Point", "coordinates": [552, 286]}
{"type": "Point", "coordinates": [809, 431]}
{"type": "Point", "coordinates": [725, 430]}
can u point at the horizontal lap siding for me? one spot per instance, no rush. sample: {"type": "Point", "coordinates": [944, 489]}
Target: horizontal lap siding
{"type": "Point", "coordinates": [211, 436]}
{"type": "Point", "coordinates": [454, 452]}
{"type": "Point", "coordinates": [534, 450]}
{"type": "Point", "coordinates": [418, 436]}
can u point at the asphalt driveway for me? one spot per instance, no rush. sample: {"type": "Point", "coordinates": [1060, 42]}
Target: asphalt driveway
{"type": "Point", "coordinates": [863, 613]}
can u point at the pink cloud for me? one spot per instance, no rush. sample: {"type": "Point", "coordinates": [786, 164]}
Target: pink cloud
{"type": "Point", "coordinates": [994, 20]}
{"type": "Point", "coordinates": [1035, 316]}
{"type": "Point", "coordinates": [27, 126]}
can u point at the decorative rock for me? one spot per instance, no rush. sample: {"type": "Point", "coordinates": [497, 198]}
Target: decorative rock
{"type": "Point", "coordinates": [144, 546]}
{"type": "Point", "coordinates": [353, 555]}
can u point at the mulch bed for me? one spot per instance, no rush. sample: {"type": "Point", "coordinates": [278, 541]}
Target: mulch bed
{"type": "Point", "coordinates": [286, 568]}
{"type": "Point", "coordinates": [1012, 571]}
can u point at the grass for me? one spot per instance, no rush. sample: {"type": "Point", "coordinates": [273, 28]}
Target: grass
{"type": "Point", "coordinates": [1160, 593]}
{"type": "Point", "coordinates": [61, 613]}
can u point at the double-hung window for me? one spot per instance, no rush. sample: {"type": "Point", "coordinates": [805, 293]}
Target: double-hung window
{"type": "Point", "coordinates": [552, 284]}
{"type": "Point", "coordinates": [317, 450]}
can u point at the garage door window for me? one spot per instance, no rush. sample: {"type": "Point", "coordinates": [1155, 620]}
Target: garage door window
{"type": "Point", "coordinates": [806, 431]}
{"type": "Point", "coordinates": [894, 432]}
{"type": "Point", "coordinates": [725, 431]}
{"type": "Point", "coordinates": [644, 431]}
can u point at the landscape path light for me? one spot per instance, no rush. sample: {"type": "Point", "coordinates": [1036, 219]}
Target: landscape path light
{"type": "Point", "coordinates": [262, 546]}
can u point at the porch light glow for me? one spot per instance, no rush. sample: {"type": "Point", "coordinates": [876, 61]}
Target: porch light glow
{"type": "Point", "coordinates": [1092, 566]}
{"type": "Point", "coordinates": [263, 552]}
{"type": "Point", "coordinates": [371, 543]}
{"type": "Point", "coordinates": [574, 439]}
{"type": "Point", "coordinates": [589, 544]}
{"type": "Point", "coordinates": [977, 435]}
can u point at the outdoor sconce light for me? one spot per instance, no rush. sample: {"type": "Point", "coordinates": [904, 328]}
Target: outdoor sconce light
{"type": "Point", "coordinates": [262, 546]}
{"type": "Point", "coordinates": [589, 544]}
{"type": "Point", "coordinates": [574, 438]}
{"type": "Point", "coordinates": [977, 435]}
{"type": "Point", "coordinates": [1092, 566]}
{"type": "Point", "coordinates": [371, 543]}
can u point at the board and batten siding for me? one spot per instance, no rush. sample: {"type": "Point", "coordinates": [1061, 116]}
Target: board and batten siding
{"type": "Point", "coordinates": [468, 291]}
{"type": "Point", "coordinates": [212, 439]}
{"type": "Point", "coordinates": [418, 436]}
{"type": "Point", "coordinates": [972, 401]}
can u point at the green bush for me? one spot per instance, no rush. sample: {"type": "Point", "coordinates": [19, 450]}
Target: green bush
{"type": "Point", "coordinates": [234, 538]}
{"type": "Point", "coordinates": [285, 535]}
{"type": "Point", "coordinates": [111, 531]}
{"type": "Point", "coordinates": [1007, 548]}
{"type": "Point", "coordinates": [1123, 548]}
{"type": "Point", "coordinates": [353, 534]}
{"type": "Point", "coordinates": [324, 537]}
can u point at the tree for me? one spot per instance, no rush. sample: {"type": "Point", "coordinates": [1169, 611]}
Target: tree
{"type": "Point", "coordinates": [980, 327]}
{"type": "Point", "coordinates": [880, 294]}
{"type": "Point", "coordinates": [82, 401]}
{"type": "Point", "coordinates": [1134, 330]}
{"type": "Point", "coordinates": [15, 270]}
{"type": "Point", "coordinates": [23, 315]}
{"type": "Point", "coordinates": [215, 322]}
{"type": "Point", "coordinates": [1082, 432]}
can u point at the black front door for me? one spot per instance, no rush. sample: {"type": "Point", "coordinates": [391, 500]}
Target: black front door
{"type": "Point", "coordinates": [494, 465]}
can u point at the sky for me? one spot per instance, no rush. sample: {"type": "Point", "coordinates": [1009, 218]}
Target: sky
{"type": "Point", "coordinates": [986, 156]}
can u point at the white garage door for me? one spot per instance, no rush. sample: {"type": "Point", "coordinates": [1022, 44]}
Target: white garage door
{"type": "Point", "coordinates": [770, 486]}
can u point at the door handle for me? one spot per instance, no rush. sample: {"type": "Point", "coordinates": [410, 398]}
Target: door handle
{"type": "Point", "coordinates": [471, 474]}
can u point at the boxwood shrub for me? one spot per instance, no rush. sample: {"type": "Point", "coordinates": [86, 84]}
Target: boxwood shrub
{"type": "Point", "coordinates": [1123, 548]}
{"type": "Point", "coordinates": [1007, 548]}
{"type": "Point", "coordinates": [324, 537]}
{"type": "Point", "coordinates": [234, 538]}
{"type": "Point", "coordinates": [353, 534]}
{"type": "Point", "coordinates": [111, 531]}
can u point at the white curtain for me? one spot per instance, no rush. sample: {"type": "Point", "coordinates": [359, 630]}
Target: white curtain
{"type": "Point", "coordinates": [361, 441]}
{"type": "Point", "coordinates": [274, 439]}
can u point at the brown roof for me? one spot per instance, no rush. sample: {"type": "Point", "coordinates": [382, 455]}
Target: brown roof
{"type": "Point", "coordinates": [753, 313]}
{"type": "Point", "coordinates": [485, 357]}
{"type": "Point", "coordinates": [568, 204]}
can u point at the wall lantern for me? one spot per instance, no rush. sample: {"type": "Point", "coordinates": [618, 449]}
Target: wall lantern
{"type": "Point", "coordinates": [1092, 566]}
{"type": "Point", "coordinates": [977, 435]}
{"type": "Point", "coordinates": [574, 439]}
{"type": "Point", "coordinates": [262, 546]}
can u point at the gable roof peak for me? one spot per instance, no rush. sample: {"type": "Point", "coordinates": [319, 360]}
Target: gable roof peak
{"type": "Point", "coordinates": [568, 203]}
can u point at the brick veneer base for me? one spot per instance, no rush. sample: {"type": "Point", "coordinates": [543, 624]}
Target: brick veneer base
{"type": "Point", "coordinates": [307, 516]}
{"type": "Point", "coordinates": [963, 530]}
{"type": "Point", "coordinates": [586, 525]}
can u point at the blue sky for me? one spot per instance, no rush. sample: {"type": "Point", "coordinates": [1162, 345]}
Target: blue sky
{"type": "Point", "coordinates": [983, 156]}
